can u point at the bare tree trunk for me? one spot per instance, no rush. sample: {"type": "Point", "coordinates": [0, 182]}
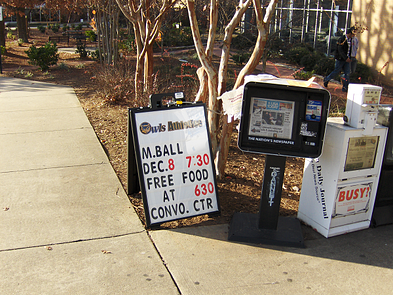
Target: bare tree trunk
{"type": "Point", "coordinates": [139, 63]}
{"type": "Point", "coordinates": [107, 31]}
{"type": "Point", "coordinates": [2, 33]}
{"type": "Point", "coordinates": [202, 94]}
{"type": "Point", "coordinates": [229, 29]}
{"type": "Point", "coordinates": [99, 39]}
{"type": "Point", "coordinates": [21, 21]}
{"type": "Point", "coordinates": [205, 59]}
{"type": "Point", "coordinates": [148, 70]}
{"type": "Point", "coordinates": [262, 26]}
{"type": "Point", "coordinates": [146, 29]}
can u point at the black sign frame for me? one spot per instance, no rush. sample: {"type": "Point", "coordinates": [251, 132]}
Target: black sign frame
{"type": "Point", "coordinates": [304, 132]}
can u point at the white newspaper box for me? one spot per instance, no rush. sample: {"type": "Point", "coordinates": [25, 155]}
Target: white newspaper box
{"type": "Point", "coordinates": [339, 187]}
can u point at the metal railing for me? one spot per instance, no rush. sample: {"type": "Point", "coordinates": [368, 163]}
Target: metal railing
{"type": "Point", "coordinates": [311, 21]}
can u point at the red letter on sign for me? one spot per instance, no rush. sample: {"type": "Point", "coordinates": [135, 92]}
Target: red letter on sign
{"type": "Point", "coordinates": [341, 197]}
{"type": "Point", "coordinates": [349, 197]}
{"type": "Point", "coordinates": [356, 194]}
{"type": "Point", "coordinates": [362, 190]}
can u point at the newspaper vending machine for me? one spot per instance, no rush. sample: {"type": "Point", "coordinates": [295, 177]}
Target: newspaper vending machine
{"type": "Point", "coordinates": [339, 187]}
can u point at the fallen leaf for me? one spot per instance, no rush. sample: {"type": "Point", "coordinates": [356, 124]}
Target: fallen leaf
{"type": "Point", "coordinates": [6, 208]}
{"type": "Point", "coordinates": [49, 248]}
{"type": "Point", "coordinates": [106, 252]}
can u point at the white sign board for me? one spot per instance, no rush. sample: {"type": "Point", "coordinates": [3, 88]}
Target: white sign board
{"type": "Point", "coordinates": [174, 161]}
{"type": "Point", "coordinates": [352, 199]}
{"type": "Point", "coordinates": [1, 13]}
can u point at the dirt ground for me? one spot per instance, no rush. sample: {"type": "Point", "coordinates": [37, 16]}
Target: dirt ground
{"type": "Point", "coordinates": [240, 188]}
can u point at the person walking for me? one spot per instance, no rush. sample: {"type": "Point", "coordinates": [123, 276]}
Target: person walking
{"type": "Point", "coordinates": [343, 59]}
{"type": "Point", "coordinates": [354, 51]}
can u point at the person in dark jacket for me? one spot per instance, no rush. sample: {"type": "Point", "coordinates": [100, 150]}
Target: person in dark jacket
{"type": "Point", "coordinates": [343, 59]}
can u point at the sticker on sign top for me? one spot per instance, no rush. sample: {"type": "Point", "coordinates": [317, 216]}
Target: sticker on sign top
{"type": "Point", "coordinates": [314, 110]}
{"type": "Point", "coordinates": [179, 95]}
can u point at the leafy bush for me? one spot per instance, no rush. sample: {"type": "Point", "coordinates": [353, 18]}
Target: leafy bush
{"type": "Point", "coordinates": [239, 59]}
{"type": "Point", "coordinates": [318, 63]}
{"type": "Point", "coordinates": [324, 66]}
{"type": "Point", "coordinates": [2, 50]}
{"type": "Point", "coordinates": [297, 52]}
{"type": "Point", "coordinates": [302, 75]}
{"type": "Point", "coordinates": [128, 44]}
{"type": "Point", "coordinates": [309, 60]}
{"type": "Point", "coordinates": [10, 35]}
{"type": "Point", "coordinates": [44, 56]}
{"type": "Point", "coordinates": [175, 36]}
{"type": "Point", "coordinates": [65, 28]}
{"type": "Point", "coordinates": [78, 27]}
{"type": "Point", "coordinates": [243, 41]}
{"type": "Point", "coordinates": [41, 28]}
{"type": "Point", "coordinates": [363, 74]}
{"type": "Point", "coordinates": [91, 35]}
{"type": "Point", "coordinates": [81, 50]}
{"type": "Point", "coordinates": [274, 47]}
{"type": "Point", "coordinates": [95, 55]}
{"type": "Point", "coordinates": [55, 28]}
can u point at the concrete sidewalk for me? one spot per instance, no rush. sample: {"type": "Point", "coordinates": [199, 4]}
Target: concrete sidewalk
{"type": "Point", "coordinates": [67, 226]}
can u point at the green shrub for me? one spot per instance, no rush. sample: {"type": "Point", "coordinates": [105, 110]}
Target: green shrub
{"type": "Point", "coordinates": [128, 44]}
{"type": "Point", "coordinates": [78, 27]}
{"type": "Point", "coordinates": [302, 75]}
{"type": "Point", "coordinates": [81, 50]}
{"type": "Point", "coordinates": [239, 59]}
{"type": "Point", "coordinates": [324, 66]}
{"type": "Point", "coordinates": [41, 28]}
{"type": "Point", "coordinates": [363, 74]}
{"type": "Point", "coordinates": [44, 56]}
{"type": "Point", "coordinates": [297, 52]}
{"type": "Point", "coordinates": [95, 55]}
{"type": "Point", "coordinates": [2, 49]}
{"type": "Point", "coordinates": [65, 28]}
{"type": "Point", "coordinates": [10, 35]}
{"type": "Point", "coordinates": [243, 41]}
{"type": "Point", "coordinates": [177, 36]}
{"type": "Point", "coordinates": [91, 35]}
{"type": "Point", "coordinates": [308, 61]}
{"type": "Point", "coordinates": [55, 28]}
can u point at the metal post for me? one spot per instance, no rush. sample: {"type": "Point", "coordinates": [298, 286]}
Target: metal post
{"type": "Point", "coordinates": [271, 192]}
{"type": "Point", "coordinates": [330, 30]}
{"type": "Point", "coordinates": [303, 22]}
{"type": "Point", "coordinates": [316, 24]}
{"type": "Point", "coordinates": [347, 16]}
{"type": "Point", "coordinates": [280, 23]}
{"type": "Point", "coordinates": [290, 20]}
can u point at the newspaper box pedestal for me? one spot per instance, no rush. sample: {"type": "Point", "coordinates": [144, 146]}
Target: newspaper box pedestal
{"type": "Point", "coordinates": [339, 187]}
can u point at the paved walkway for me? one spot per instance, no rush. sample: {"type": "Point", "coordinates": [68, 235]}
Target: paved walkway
{"type": "Point", "coordinates": [66, 224]}
{"type": "Point", "coordinates": [67, 227]}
